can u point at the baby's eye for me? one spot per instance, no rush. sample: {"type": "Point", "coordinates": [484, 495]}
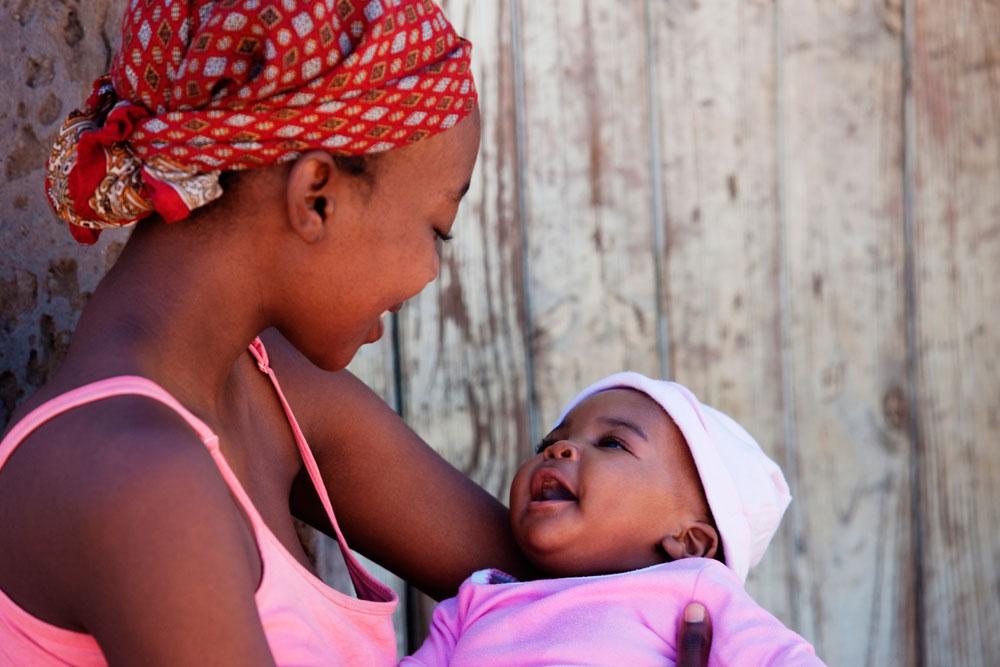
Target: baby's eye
{"type": "Point", "coordinates": [611, 443]}
{"type": "Point", "coordinates": [540, 447]}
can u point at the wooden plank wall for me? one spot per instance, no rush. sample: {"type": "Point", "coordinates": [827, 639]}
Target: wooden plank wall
{"type": "Point", "coordinates": [791, 206]}
{"type": "Point", "coordinates": [463, 341]}
{"type": "Point", "coordinates": [954, 126]}
{"type": "Point", "coordinates": [716, 119]}
{"type": "Point", "coordinates": [841, 157]}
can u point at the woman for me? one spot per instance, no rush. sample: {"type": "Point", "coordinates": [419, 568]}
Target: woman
{"type": "Point", "coordinates": [147, 491]}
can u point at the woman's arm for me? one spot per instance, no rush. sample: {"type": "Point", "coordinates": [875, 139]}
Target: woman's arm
{"type": "Point", "coordinates": [397, 501]}
{"type": "Point", "coordinates": [132, 537]}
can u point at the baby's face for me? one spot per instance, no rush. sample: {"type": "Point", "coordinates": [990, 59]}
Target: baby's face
{"type": "Point", "coordinates": [607, 485]}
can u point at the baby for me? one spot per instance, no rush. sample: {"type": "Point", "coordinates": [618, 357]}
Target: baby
{"type": "Point", "coordinates": [641, 500]}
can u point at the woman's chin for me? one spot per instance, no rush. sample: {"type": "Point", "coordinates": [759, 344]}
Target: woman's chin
{"type": "Point", "coordinates": [333, 357]}
{"type": "Point", "coordinates": [333, 365]}
{"type": "Point", "coordinates": [376, 331]}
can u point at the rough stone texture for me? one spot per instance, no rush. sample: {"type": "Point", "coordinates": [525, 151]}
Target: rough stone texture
{"type": "Point", "coordinates": [53, 50]}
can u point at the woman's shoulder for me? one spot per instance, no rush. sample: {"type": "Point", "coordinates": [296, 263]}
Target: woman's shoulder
{"type": "Point", "coordinates": [104, 457]}
{"type": "Point", "coordinates": [104, 487]}
{"type": "Point", "coordinates": [105, 436]}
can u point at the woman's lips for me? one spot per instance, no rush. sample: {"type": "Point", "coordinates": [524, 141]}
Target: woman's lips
{"type": "Point", "coordinates": [378, 329]}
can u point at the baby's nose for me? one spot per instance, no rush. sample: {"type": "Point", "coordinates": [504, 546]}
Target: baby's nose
{"type": "Point", "coordinates": [564, 449]}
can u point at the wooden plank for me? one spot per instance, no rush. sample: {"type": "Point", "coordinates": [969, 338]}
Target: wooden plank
{"type": "Point", "coordinates": [716, 81]}
{"type": "Point", "coordinates": [462, 344]}
{"type": "Point", "coordinates": [590, 243]}
{"type": "Point", "coordinates": [955, 60]}
{"type": "Point", "coordinates": [843, 262]}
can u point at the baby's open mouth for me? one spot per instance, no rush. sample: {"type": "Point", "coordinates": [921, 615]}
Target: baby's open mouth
{"type": "Point", "coordinates": [549, 485]}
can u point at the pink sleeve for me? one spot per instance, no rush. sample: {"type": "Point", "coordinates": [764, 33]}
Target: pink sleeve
{"type": "Point", "coordinates": [743, 633]}
{"type": "Point", "coordinates": [440, 643]}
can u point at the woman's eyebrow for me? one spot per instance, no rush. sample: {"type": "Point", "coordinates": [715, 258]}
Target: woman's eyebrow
{"type": "Point", "coordinates": [616, 421]}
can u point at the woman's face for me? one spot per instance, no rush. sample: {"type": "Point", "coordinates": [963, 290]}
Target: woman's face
{"type": "Point", "coordinates": [382, 242]}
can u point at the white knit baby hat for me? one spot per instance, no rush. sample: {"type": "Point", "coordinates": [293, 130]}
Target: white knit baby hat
{"type": "Point", "coordinates": [746, 490]}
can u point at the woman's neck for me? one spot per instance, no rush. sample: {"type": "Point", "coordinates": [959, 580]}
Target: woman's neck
{"type": "Point", "coordinates": [180, 313]}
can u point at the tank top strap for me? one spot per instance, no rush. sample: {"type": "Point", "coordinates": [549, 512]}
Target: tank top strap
{"type": "Point", "coordinates": [121, 385]}
{"type": "Point", "coordinates": [365, 585]}
{"type": "Point", "coordinates": [129, 385]}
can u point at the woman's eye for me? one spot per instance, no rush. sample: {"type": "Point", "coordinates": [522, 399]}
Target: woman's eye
{"type": "Point", "coordinates": [611, 443]}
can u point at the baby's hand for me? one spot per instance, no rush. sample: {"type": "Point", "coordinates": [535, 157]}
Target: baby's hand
{"type": "Point", "coordinates": [694, 638]}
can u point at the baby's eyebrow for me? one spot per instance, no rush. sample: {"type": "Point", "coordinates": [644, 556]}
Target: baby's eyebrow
{"type": "Point", "coordinates": [616, 421]}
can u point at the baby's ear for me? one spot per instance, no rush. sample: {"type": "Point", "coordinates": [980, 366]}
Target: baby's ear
{"type": "Point", "coordinates": [695, 539]}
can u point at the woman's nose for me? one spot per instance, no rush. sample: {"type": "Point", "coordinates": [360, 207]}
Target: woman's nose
{"type": "Point", "coordinates": [564, 449]}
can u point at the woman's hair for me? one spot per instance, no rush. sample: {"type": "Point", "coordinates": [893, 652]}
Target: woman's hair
{"type": "Point", "coordinates": [363, 167]}
{"type": "Point", "coordinates": [355, 165]}
{"type": "Point", "coordinates": [359, 166]}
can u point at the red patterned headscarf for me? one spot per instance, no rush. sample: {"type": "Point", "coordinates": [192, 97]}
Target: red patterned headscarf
{"type": "Point", "coordinates": [202, 86]}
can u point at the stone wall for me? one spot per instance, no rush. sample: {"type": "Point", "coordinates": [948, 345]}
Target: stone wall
{"type": "Point", "coordinates": [53, 50]}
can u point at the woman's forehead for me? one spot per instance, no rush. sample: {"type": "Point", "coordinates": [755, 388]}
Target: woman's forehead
{"type": "Point", "coordinates": [441, 165]}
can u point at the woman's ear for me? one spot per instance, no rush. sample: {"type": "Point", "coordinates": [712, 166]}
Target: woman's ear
{"type": "Point", "coordinates": [695, 539]}
{"type": "Point", "coordinates": [310, 195]}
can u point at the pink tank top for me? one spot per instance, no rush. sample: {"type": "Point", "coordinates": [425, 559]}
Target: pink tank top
{"type": "Point", "coordinates": [306, 621]}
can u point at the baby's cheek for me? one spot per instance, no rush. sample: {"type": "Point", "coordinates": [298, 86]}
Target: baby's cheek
{"type": "Point", "coordinates": [518, 489]}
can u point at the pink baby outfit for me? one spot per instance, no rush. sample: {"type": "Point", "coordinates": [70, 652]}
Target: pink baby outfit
{"type": "Point", "coordinates": [617, 619]}
{"type": "Point", "coordinates": [306, 621]}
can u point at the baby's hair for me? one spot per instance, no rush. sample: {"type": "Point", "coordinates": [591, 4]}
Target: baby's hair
{"type": "Point", "coordinates": [706, 516]}
{"type": "Point", "coordinates": [720, 554]}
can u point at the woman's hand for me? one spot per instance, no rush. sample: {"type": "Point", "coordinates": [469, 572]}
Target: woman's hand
{"type": "Point", "coordinates": [694, 638]}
